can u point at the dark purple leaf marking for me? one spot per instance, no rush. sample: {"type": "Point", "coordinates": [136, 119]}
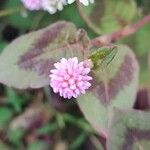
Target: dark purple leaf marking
{"type": "Point", "coordinates": [42, 67]}
{"type": "Point", "coordinates": [122, 78]}
{"type": "Point", "coordinates": [47, 37]}
{"type": "Point", "coordinates": [27, 61]}
{"type": "Point", "coordinates": [142, 100]}
{"type": "Point", "coordinates": [135, 135]}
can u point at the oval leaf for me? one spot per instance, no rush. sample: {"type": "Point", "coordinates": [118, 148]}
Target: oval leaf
{"type": "Point", "coordinates": [116, 85]}
{"type": "Point", "coordinates": [129, 130]}
{"type": "Point", "coordinates": [111, 15]}
{"type": "Point", "coordinates": [26, 62]}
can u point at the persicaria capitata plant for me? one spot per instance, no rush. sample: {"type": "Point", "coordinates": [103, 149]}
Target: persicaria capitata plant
{"type": "Point", "coordinates": [74, 74]}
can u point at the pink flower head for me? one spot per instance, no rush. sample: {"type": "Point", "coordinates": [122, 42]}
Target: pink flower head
{"type": "Point", "coordinates": [32, 4]}
{"type": "Point", "coordinates": [70, 78]}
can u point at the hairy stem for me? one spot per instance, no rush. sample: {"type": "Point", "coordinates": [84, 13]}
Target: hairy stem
{"type": "Point", "coordinates": [126, 31]}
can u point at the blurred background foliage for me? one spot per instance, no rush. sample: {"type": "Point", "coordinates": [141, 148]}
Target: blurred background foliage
{"type": "Point", "coordinates": [24, 124]}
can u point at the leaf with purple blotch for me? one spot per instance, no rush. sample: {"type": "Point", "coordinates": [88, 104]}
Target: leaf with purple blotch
{"type": "Point", "coordinates": [114, 86]}
{"type": "Point", "coordinates": [129, 130]}
{"type": "Point", "coordinates": [26, 62]}
{"type": "Point", "coordinates": [112, 15]}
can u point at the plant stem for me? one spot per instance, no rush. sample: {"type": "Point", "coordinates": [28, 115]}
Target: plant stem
{"type": "Point", "coordinates": [126, 31]}
{"type": "Point", "coordinates": [87, 20]}
{"type": "Point", "coordinates": [10, 11]}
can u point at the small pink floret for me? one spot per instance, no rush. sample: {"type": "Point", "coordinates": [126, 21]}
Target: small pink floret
{"type": "Point", "coordinates": [70, 78]}
{"type": "Point", "coordinates": [32, 4]}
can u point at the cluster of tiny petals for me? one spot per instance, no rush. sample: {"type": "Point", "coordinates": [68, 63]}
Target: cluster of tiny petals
{"type": "Point", "coordinates": [51, 5]}
{"type": "Point", "coordinates": [84, 2]}
{"type": "Point", "coordinates": [70, 78]}
{"type": "Point", "coordinates": [32, 4]}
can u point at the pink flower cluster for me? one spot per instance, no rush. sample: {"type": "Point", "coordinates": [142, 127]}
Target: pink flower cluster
{"type": "Point", "coordinates": [32, 4]}
{"type": "Point", "coordinates": [48, 5]}
{"type": "Point", "coordinates": [52, 6]}
{"type": "Point", "coordinates": [70, 78]}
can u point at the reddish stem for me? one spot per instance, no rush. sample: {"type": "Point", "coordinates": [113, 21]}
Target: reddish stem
{"type": "Point", "coordinates": [126, 31]}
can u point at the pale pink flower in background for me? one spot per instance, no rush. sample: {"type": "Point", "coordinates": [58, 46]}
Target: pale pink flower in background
{"type": "Point", "coordinates": [84, 2]}
{"type": "Point", "coordinates": [70, 78]}
{"type": "Point", "coordinates": [32, 4]}
{"type": "Point", "coordinates": [53, 5]}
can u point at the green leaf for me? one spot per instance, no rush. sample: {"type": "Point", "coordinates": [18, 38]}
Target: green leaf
{"type": "Point", "coordinates": [5, 116]}
{"type": "Point", "coordinates": [38, 145]}
{"type": "Point", "coordinates": [4, 146]}
{"type": "Point", "coordinates": [26, 62]}
{"type": "Point", "coordinates": [15, 136]}
{"type": "Point", "coordinates": [14, 99]}
{"type": "Point", "coordinates": [2, 45]}
{"type": "Point", "coordinates": [81, 123]}
{"type": "Point", "coordinates": [21, 19]}
{"type": "Point", "coordinates": [144, 72]}
{"type": "Point", "coordinates": [117, 14]}
{"type": "Point", "coordinates": [141, 45]}
{"type": "Point", "coordinates": [48, 128]}
{"type": "Point", "coordinates": [67, 12]}
{"type": "Point", "coordinates": [116, 85]}
{"type": "Point", "coordinates": [129, 130]}
{"type": "Point", "coordinates": [78, 141]}
{"type": "Point", "coordinates": [142, 36]}
{"type": "Point", "coordinates": [111, 15]}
